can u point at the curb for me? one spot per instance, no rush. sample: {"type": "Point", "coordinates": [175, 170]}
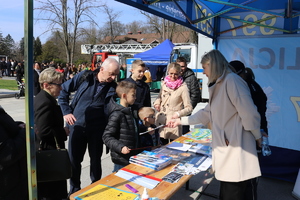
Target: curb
{"type": "Point", "coordinates": [7, 93]}
{"type": "Point", "coordinates": [4, 93]}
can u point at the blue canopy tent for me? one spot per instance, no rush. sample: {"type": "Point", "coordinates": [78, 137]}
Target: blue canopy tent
{"type": "Point", "coordinates": [159, 56]}
{"type": "Point", "coordinates": [264, 35]}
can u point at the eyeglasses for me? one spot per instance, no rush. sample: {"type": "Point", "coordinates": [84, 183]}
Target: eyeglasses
{"type": "Point", "coordinates": [58, 84]}
{"type": "Point", "coordinates": [150, 117]}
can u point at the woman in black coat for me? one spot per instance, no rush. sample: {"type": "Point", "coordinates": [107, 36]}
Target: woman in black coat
{"type": "Point", "coordinates": [49, 124]}
{"type": "Point", "coordinates": [13, 165]}
{"type": "Point", "coordinates": [36, 74]}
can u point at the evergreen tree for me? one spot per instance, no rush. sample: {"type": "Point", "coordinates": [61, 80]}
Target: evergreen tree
{"type": "Point", "coordinates": [2, 45]}
{"type": "Point", "coordinates": [37, 46]}
{"type": "Point", "coordinates": [21, 47]}
{"type": "Point", "coordinates": [9, 45]}
{"type": "Point", "coordinates": [50, 50]}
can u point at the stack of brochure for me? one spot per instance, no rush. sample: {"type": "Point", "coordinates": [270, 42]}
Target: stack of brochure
{"type": "Point", "coordinates": [151, 160]}
{"type": "Point", "coordinates": [200, 149]}
{"type": "Point", "coordinates": [179, 146]}
{"type": "Point", "coordinates": [176, 155]}
{"type": "Point", "coordinates": [193, 165]}
{"type": "Point", "coordinates": [200, 134]}
{"type": "Point", "coordinates": [193, 147]}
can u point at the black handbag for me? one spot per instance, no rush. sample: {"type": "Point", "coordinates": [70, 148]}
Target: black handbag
{"type": "Point", "coordinates": [53, 165]}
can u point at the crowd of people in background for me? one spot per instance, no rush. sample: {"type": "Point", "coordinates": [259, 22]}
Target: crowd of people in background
{"type": "Point", "coordinates": [8, 67]}
{"type": "Point", "coordinates": [14, 68]}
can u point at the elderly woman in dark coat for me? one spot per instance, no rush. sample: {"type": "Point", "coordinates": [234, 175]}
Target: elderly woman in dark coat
{"type": "Point", "coordinates": [49, 124]}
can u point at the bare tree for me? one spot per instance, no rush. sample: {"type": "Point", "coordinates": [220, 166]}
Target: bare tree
{"type": "Point", "coordinates": [20, 50]}
{"type": "Point", "coordinates": [137, 26]}
{"type": "Point", "coordinates": [68, 19]}
{"type": "Point", "coordinates": [159, 25]}
{"type": "Point", "coordinates": [111, 25]}
{"type": "Point", "coordinates": [111, 30]}
{"type": "Point", "coordinates": [90, 35]}
{"type": "Point", "coordinates": [155, 23]}
{"type": "Point", "coordinates": [167, 29]}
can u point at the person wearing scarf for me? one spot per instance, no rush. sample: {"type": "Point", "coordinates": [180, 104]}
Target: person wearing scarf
{"type": "Point", "coordinates": [173, 101]}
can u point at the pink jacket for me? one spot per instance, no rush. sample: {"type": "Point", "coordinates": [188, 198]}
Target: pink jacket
{"type": "Point", "coordinates": [233, 116]}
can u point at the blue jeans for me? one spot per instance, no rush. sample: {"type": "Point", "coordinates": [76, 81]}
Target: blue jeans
{"type": "Point", "coordinates": [117, 167]}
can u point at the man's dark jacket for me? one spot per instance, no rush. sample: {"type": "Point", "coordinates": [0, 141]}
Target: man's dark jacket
{"type": "Point", "coordinates": [89, 110]}
{"type": "Point", "coordinates": [260, 100]}
{"type": "Point", "coordinates": [36, 83]}
{"type": "Point", "coordinates": [193, 85]}
{"type": "Point", "coordinates": [8, 65]}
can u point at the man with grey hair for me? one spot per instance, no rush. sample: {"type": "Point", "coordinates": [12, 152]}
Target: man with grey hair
{"type": "Point", "coordinates": [86, 116]}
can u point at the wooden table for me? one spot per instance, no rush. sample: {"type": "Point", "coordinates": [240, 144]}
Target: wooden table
{"type": "Point", "coordinates": [164, 190]}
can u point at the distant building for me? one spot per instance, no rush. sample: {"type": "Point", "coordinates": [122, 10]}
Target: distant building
{"type": "Point", "coordinates": [3, 56]}
{"type": "Point", "coordinates": [147, 38]}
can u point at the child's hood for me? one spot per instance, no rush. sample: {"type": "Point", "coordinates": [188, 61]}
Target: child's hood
{"type": "Point", "coordinates": [114, 105]}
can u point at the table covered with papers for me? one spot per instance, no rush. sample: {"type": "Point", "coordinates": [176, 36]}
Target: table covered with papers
{"type": "Point", "coordinates": [163, 171]}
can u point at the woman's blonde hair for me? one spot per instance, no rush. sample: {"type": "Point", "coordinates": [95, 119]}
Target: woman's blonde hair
{"type": "Point", "coordinates": [174, 65]}
{"type": "Point", "coordinates": [218, 64]}
{"type": "Point", "coordinates": [50, 75]}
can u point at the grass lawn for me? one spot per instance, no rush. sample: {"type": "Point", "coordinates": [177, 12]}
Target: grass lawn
{"type": "Point", "coordinates": [8, 84]}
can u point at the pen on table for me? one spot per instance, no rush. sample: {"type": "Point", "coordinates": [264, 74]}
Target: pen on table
{"type": "Point", "coordinates": [145, 147]}
{"type": "Point", "coordinates": [161, 126]}
{"type": "Point", "coordinates": [131, 188]}
{"type": "Point", "coordinates": [141, 148]}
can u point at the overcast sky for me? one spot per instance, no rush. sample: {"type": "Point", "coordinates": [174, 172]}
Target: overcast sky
{"type": "Point", "coordinates": [12, 18]}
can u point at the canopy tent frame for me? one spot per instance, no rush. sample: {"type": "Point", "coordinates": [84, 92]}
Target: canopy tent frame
{"type": "Point", "coordinates": [289, 13]}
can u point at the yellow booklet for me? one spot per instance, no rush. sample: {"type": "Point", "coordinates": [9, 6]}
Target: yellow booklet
{"type": "Point", "coordinates": [106, 192]}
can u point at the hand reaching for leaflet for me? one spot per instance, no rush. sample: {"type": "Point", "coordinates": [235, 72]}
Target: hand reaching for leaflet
{"type": "Point", "coordinates": [174, 123]}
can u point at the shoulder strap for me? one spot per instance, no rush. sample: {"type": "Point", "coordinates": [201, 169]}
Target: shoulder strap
{"type": "Point", "coordinates": [84, 76]}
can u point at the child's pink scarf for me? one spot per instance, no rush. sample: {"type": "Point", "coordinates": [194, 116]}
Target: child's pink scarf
{"type": "Point", "coordinates": [173, 84]}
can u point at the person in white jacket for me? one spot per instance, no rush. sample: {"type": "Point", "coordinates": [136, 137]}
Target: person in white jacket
{"type": "Point", "coordinates": [235, 125]}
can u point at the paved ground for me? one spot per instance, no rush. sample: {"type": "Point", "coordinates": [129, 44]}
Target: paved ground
{"type": "Point", "coordinates": [268, 189]}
